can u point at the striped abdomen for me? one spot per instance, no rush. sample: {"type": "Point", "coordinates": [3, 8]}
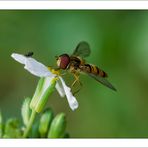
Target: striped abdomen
{"type": "Point", "coordinates": [93, 69]}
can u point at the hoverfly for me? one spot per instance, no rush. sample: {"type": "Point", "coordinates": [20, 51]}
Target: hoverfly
{"type": "Point", "coordinates": [76, 64]}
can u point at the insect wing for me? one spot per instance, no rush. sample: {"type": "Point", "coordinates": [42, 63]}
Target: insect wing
{"type": "Point", "coordinates": [82, 50]}
{"type": "Point", "coordinates": [103, 81]}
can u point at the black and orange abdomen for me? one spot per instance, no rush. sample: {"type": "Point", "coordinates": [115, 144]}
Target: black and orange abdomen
{"type": "Point", "coordinates": [93, 69]}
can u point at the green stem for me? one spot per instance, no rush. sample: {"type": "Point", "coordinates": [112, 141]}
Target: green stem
{"type": "Point", "coordinates": [27, 130]}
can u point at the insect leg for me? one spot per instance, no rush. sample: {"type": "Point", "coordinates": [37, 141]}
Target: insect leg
{"type": "Point", "coordinates": [75, 81]}
{"type": "Point", "coordinates": [75, 92]}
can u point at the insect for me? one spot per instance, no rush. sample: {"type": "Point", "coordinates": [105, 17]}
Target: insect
{"type": "Point", "coordinates": [29, 54]}
{"type": "Point", "coordinates": [76, 64]}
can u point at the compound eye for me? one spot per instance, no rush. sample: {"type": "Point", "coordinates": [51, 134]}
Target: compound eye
{"type": "Point", "coordinates": [63, 61]}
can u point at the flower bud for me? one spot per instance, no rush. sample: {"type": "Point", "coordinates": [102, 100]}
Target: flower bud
{"type": "Point", "coordinates": [45, 88]}
{"type": "Point", "coordinates": [37, 93]}
{"type": "Point", "coordinates": [12, 129]}
{"type": "Point", "coordinates": [34, 133]}
{"type": "Point", "coordinates": [58, 125]}
{"type": "Point", "coordinates": [26, 111]}
{"type": "Point", "coordinates": [45, 122]}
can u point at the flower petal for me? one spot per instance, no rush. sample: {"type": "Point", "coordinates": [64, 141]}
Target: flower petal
{"type": "Point", "coordinates": [60, 89]}
{"type": "Point", "coordinates": [37, 68]}
{"type": "Point", "coordinates": [19, 58]}
{"type": "Point", "coordinates": [33, 66]}
{"type": "Point", "coordinates": [73, 103]}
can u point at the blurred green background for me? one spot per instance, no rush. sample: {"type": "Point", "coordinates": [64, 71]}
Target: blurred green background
{"type": "Point", "coordinates": [119, 44]}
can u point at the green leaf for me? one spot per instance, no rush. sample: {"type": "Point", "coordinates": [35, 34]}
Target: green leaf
{"type": "Point", "coordinates": [26, 111]}
{"type": "Point", "coordinates": [58, 126]}
{"type": "Point", "coordinates": [45, 122]}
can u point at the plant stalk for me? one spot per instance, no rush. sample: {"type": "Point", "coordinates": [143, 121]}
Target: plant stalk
{"type": "Point", "coordinates": [31, 120]}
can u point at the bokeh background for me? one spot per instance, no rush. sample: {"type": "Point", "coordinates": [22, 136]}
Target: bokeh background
{"type": "Point", "coordinates": [119, 44]}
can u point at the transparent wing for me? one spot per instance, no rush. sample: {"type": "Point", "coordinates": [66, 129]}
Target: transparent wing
{"type": "Point", "coordinates": [82, 50]}
{"type": "Point", "coordinates": [103, 81]}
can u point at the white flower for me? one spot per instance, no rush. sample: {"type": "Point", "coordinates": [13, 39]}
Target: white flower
{"type": "Point", "coordinates": [38, 69]}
